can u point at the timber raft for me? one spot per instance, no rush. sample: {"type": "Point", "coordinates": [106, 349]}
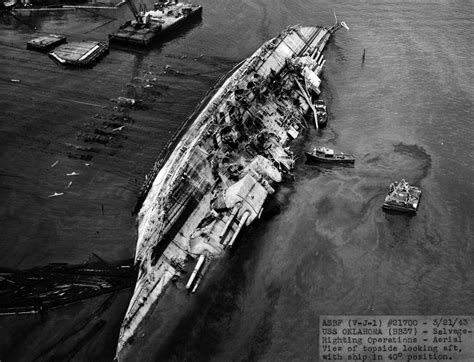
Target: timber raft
{"type": "Point", "coordinates": [41, 288]}
{"type": "Point", "coordinates": [217, 178]}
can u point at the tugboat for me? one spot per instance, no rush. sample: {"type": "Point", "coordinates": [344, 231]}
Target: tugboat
{"type": "Point", "coordinates": [402, 197]}
{"type": "Point", "coordinates": [324, 154]}
{"type": "Point", "coordinates": [322, 112]}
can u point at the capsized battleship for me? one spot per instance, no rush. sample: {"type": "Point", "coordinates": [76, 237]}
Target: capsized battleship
{"type": "Point", "coordinates": [217, 178]}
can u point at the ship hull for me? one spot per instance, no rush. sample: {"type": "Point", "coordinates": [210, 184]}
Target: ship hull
{"type": "Point", "coordinates": [398, 208]}
{"type": "Point", "coordinates": [217, 177]}
{"type": "Point", "coordinates": [342, 159]}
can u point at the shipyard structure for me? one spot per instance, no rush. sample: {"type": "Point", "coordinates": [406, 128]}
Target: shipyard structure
{"type": "Point", "coordinates": [217, 178]}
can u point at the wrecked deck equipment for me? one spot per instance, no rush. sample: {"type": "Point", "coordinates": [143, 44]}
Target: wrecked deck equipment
{"type": "Point", "coordinates": [45, 43]}
{"type": "Point", "coordinates": [79, 54]}
{"type": "Point", "coordinates": [402, 197]}
{"type": "Point", "coordinates": [150, 25]}
{"type": "Point", "coordinates": [215, 181]}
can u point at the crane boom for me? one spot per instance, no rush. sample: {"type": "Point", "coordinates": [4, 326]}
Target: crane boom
{"type": "Point", "coordinates": [134, 11]}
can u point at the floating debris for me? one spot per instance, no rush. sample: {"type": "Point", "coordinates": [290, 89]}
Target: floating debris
{"type": "Point", "coordinates": [56, 194]}
{"type": "Point", "coordinates": [58, 284]}
{"type": "Point", "coordinates": [55, 163]}
{"type": "Point", "coordinates": [122, 101]}
{"type": "Point", "coordinates": [118, 129]}
{"type": "Point", "coordinates": [69, 185]}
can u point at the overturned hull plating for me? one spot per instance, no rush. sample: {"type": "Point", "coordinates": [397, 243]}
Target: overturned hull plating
{"type": "Point", "coordinates": [218, 177]}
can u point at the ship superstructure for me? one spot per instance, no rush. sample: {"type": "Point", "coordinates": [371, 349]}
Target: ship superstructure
{"type": "Point", "coordinates": [220, 173]}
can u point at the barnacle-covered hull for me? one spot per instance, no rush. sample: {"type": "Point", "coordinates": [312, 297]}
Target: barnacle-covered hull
{"type": "Point", "coordinates": [220, 173]}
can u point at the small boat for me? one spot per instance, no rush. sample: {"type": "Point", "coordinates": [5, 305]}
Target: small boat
{"type": "Point", "coordinates": [402, 197]}
{"type": "Point", "coordinates": [322, 112]}
{"type": "Point", "coordinates": [324, 154]}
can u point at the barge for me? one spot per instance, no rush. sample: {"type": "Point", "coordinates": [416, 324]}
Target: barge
{"type": "Point", "coordinates": [79, 54]}
{"type": "Point", "coordinates": [45, 43]}
{"type": "Point", "coordinates": [215, 181]}
{"type": "Point", "coordinates": [148, 26]}
{"type": "Point", "coordinates": [402, 197]}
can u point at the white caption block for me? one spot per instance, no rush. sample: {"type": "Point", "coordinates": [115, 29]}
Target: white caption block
{"type": "Point", "coordinates": [396, 338]}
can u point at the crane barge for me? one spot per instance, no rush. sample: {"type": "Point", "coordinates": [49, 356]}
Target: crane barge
{"type": "Point", "coordinates": [150, 25]}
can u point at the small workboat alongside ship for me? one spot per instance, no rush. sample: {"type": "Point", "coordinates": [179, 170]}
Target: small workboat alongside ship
{"type": "Point", "coordinates": [327, 155]}
{"type": "Point", "coordinates": [402, 197]}
{"type": "Point", "coordinates": [216, 178]}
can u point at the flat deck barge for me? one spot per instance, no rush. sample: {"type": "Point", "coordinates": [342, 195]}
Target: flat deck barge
{"type": "Point", "coordinates": [45, 43]}
{"type": "Point", "coordinates": [155, 24]}
{"type": "Point", "coordinates": [79, 54]}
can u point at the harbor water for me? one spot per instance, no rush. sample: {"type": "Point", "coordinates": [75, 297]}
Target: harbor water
{"type": "Point", "coordinates": [327, 248]}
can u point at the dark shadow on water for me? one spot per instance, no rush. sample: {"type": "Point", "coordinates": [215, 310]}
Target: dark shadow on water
{"type": "Point", "coordinates": [179, 32]}
{"type": "Point", "coordinates": [199, 332]}
{"type": "Point", "coordinates": [338, 50]}
{"type": "Point", "coordinates": [418, 153]}
{"type": "Point", "coordinates": [327, 167]}
{"type": "Point", "coordinates": [202, 327]}
{"type": "Point", "coordinates": [401, 214]}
